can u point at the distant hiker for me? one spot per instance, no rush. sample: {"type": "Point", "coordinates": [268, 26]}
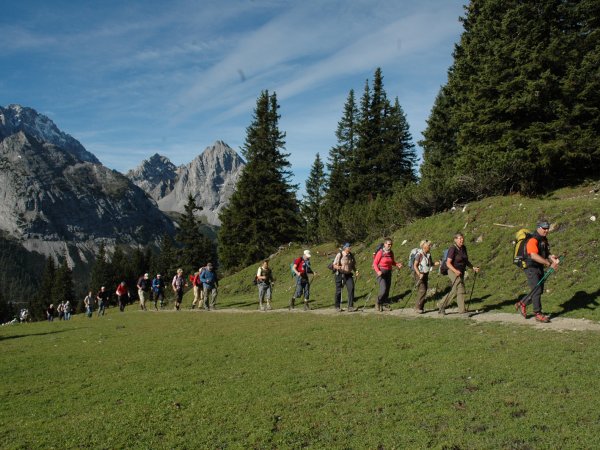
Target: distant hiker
{"type": "Point", "coordinates": [67, 310]}
{"type": "Point", "coordinates": [122, 293]}
{"type": "Point", "coordinates": [198, 290]}
{"type": "Point", "coordinates": [301, 268]}
{"type": "Point", "coordinates": [102, 297]}
{"type": "Point", "coordinates": [344, 265]}
{"type": "Point", "coordinates": [50, 312]}
{"type": "Point", "coordinates": [538, 257]}
{"type": "Point", "coordinates": [88, 302]}
{"type": "Point", "coordinates": [158, 289]}
{"type": "Point", "coordinates": [143, 285]}
{"type": "Point", "coordinates": [178, 284]}
{"type": "Point", "coordinates": [457, 262]}
{"type": "Point", "coordinates": [60, 309]}
{"type": "Point", "coordinates": [264, 279]}
{"type": "Point", "coordinates": [210, 283]}
{"type": "Point", "coordinates": [423, 264]}
{"type": "Point", "coordinates": [383, 263]}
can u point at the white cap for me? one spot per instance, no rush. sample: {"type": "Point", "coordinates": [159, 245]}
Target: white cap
{"type": "Point", "coordinates": [307, 253]}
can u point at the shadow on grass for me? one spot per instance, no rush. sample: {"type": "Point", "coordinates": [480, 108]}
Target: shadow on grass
{"type": "Point", "coordinates": [581, 300]}
{"type": "Point", "coordinates": [17, 336]}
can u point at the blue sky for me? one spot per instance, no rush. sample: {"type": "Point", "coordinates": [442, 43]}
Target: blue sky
{"type": "Point", "coordinates": [132, 78]}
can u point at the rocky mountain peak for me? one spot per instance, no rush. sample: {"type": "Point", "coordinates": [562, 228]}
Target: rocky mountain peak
{"type": "Point", "coordinates": [16, 118]}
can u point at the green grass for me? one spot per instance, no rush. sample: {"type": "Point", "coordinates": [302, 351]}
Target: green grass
{"type": "Point", "coordinates": [278, 380]}
{"type": "Point", "coordinates": [571, 292]}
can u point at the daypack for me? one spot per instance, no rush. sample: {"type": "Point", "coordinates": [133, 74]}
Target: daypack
{"type": "Point", "coordinates": [330, 265]}
{"type": "Point", "coordinates": [443, 263]}
{"type": "Point", "coordinates": [411, 258]}
{"type": "Point", "coordinates": [520, 253]}
{"type": "Point", "coordinates": [306, 266]}
{"type": "Point", "coordinates": [379, 247]}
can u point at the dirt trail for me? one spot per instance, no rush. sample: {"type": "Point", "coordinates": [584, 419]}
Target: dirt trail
{"type": "Point", "coordinates": [557, 324]}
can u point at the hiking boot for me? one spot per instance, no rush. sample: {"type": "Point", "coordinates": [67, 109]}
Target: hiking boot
{"type": "Point", "coordinates": [292, 303]}
{"type": "Point", "coordinates": [306, 307]}
{"type": "Point", "coordinates": [269, 307]}
{"type": "Point", "coordinates": [442, 311]}
{"type": "Point", "coordinates": [338, 309]}
{"type": "Point", "coordinates": [419, 311]}
{"type": "Point", "coordinates": [521, 308]}
{"type": "Point", "coordinates": [351, 309]}
{"type": "Point", "coordinates": [539, 317]}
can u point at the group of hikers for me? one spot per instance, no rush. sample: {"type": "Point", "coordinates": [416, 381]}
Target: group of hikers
{"type": "Point", "coordinates": [204, 282]}
{"type": "Point", "coordinates": [63, 311]}
{"type": "Point", "coordinates": [533, 255]}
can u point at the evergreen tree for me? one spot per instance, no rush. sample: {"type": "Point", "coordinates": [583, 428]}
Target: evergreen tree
{"type": "Point", "coordinates": [522, 97]}
{"type": "Point", "coordinates": [263, 211]}
{"type": "Point", "coordinates": [399, 150]}
{"type": "Point", "coordinates": [101, 271]}
{"type": "Point", "coordinates": [165, 262]}
{"type": "Point", "coordinates": [43, 297]}
{"type": "Point", "coordinates": [195, 248]}
{"type": "Point", "coordinates": [312, 203]}
{"type": "Point", "coordinates": [62, 290]}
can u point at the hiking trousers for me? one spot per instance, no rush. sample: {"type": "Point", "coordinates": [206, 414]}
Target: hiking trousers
{"type": "Point", "coordinates": [210, 293]}
{"type": "Point", "coordinates": [385, 283]}
{"type": "Point", "coordinates": [534, 275]}
{"type": "Point", "coordinates": [264, 291]}
{"type": "Point", "coordinates": [458, 290]}
{"type": "Point", "coordinates": [342, 279]}
{"type": "Point", "coordinates": [198, 296]}
{"type": "Point", "coordinates": [302, 286]}
{"type": "Point", "coordinates": [421, 289]}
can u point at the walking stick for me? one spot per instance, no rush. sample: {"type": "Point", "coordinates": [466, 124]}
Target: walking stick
{"type": "Point", "coordinates": [471, 294]}
{"type": "Point", "coordinates": [549, 272]}
{"type": "Point", "coordinates": [411, 293]}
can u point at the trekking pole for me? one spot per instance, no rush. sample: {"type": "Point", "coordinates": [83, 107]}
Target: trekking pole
{"type": "Point", "coordinates": [471, 294]}
{"type": "Point", "coordinates": [549, 272]}
{"type": "Point", "coordinates": [411, 293]}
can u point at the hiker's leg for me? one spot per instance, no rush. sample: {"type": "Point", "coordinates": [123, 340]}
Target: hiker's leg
{"type": "Point", "coordinates": [196, 296]}
{"type": "Point", "coordinates": [460, 294]}
{"type": "Point", "coordinates": [349, 281]}
{"type": "Point", "coordinates": [450, 296]}
{"type": "Point", "coordinates": [421, 290]}
{"type": "Point", "coordinates": [338, 290]}
{"type": "Point", "coordinates": [534, 275]}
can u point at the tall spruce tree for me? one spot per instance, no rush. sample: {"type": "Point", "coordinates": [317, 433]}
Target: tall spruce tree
{"type": "Point", "coordinates": [522, 97]}
{"type": "Point", "coordinates": [43, 297]}
{"type": "Point", "coordinates": [263, 211]}
{"type": "Point", "coordinates": [195, 248]}
{"type": "Point", "coordinates": [63, 289]}
{"type": "Point", "coordinates": [101, 271]}
{"type": "Point", "coordinates": [398, 147]}
{"type": "Point", "coordinates": [312, 203]}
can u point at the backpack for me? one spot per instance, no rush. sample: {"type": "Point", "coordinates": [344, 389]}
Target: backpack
{"type": "Point", "coordinates": [443, 263]}
{"type": "Point", "coordinates": [520, 253]}
{"type": "Point", "coordinates": [330, 265]}
{"type": "Point", "coordinates": [411, 258]}
{"type": "Point", "coordinates": [379, 247]}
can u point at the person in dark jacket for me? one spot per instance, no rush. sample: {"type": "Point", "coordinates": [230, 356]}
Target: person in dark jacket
{"type": "Point", "coordinates": [457, 262]}
{"type": "Point", "coordinates": [538, 254]}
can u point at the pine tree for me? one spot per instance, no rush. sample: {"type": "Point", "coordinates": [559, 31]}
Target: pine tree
{"type": "Point", "coordinates": [195, 248]}
{"type": "Point", "coordinates": [263, 211]}
{"type": "Point", "coordinates": [62, 290]}
{"type": "Point", "coordinates": [399, 150]}
{"type": "Point", "coordinates": [43, 298]}
{"type": "Point", "coordinates": [312, 203]}
{"type": "Point", "coordinates": [165, 262]}
{"type": "Point", "coordinates": [101, 274]}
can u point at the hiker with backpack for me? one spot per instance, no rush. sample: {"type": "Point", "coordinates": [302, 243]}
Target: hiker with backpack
{"type": "Point", "coordinates": [537, 257]}
{"type": "Point", "coordinates": [143, 285]}
{"type": "Point", "coordinates": [456, 264]}
{"type": "Point", "coordinates": [264, 281]}
{"type": "Point", "coordinates": [383, 263]}
{"type": "Point", "coordinates": [301, 268]}
{"type": "Point", "coordinates": [198, 291]}
{"type": "Point", "coordinates": [122, 293]}
{"type": "Point", "coordinates": [344, 266]}
{"type": "Point", "coordinates": [210, 283]}
{"type": "Point", "coordinates": [421, 265]}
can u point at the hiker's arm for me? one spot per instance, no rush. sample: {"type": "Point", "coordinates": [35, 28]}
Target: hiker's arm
{"type": "Point", "coordinates": [545, 262]}
{"type": "Point", "coordinates": [376, 263]}
{"type": "Point", "coordinates": [452, 268]}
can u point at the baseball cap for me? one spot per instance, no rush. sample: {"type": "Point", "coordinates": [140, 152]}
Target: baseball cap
{"type": "Point", "coordinates": [543, 224]}
{"type": "Point", "coordinates": [307, 253]}
{"type": "Point", "coordinates": [347, 245]}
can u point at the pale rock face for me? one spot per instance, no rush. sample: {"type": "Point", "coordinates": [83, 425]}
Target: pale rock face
{"type": "Point", "coordinates": [49, 197]}
{"type": "Point", "coordinates": [15, 118]}
{"type": "Point", "coordinates": [210, 178]}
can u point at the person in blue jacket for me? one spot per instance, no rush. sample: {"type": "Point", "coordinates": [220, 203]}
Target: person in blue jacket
{"type": "Point", "coordinates": [210, 283]}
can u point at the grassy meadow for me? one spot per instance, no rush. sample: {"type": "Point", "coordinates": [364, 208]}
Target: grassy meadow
{"type": "Point", "coordinates": [239, 378]}
{"type": "Point", "coordinates": [193, 379]}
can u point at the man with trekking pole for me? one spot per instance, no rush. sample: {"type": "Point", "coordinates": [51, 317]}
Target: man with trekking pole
{"type": "Point", "coordinates": [344, 265]}
{"type": "Point", "coordinates": [537, 251]}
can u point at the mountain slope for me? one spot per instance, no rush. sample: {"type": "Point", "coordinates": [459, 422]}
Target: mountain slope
{"type": "Point", "coordinates": [210, 178]}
